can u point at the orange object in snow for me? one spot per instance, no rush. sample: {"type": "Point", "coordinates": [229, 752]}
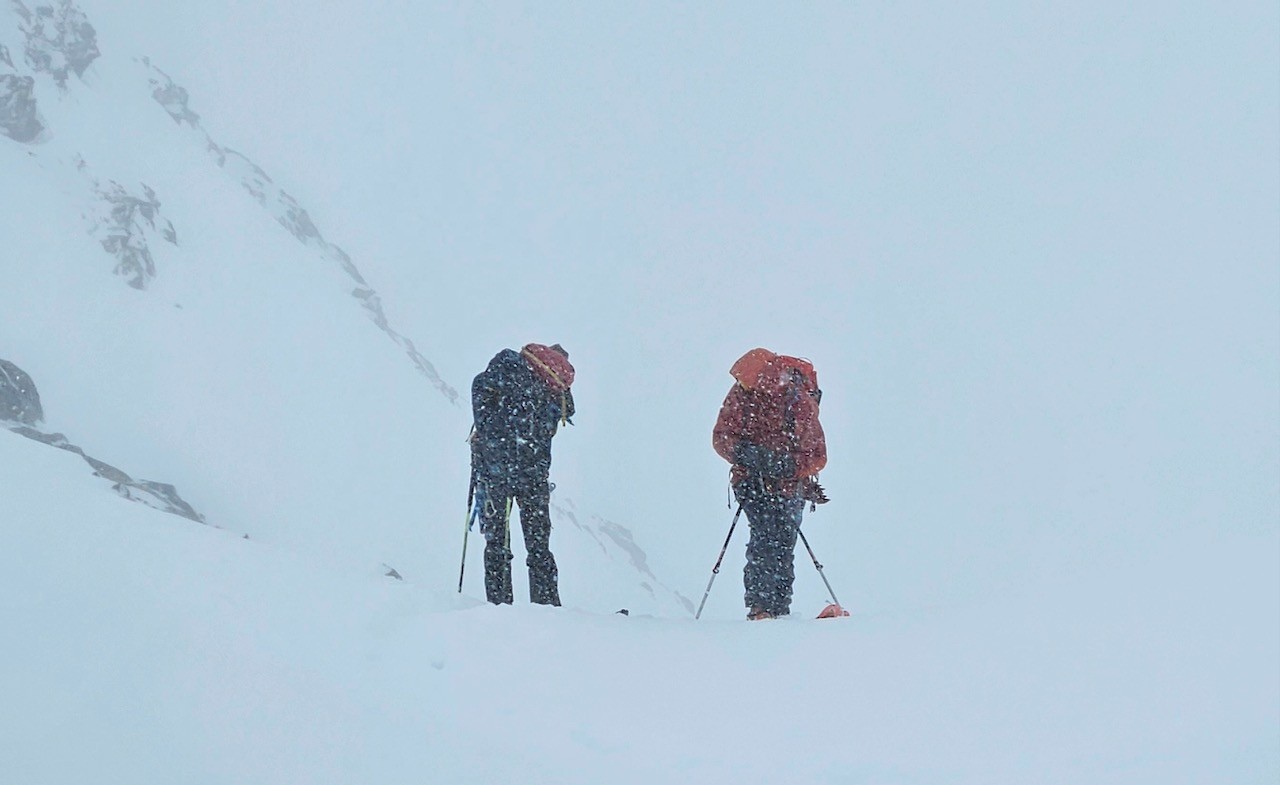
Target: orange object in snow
{"type": "Point", "coordinates": [832, 611]}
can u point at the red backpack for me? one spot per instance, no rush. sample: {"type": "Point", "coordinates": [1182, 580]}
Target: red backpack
{"type": "Point", "coordinates": [761, 369]}
{"type": "Point", "coordinates": [551, 364]}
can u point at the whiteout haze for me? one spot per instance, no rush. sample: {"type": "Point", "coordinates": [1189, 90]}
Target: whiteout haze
{"type": "Point", "coordinates": [253, 253]}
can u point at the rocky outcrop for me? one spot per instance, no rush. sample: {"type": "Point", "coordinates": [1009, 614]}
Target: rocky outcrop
{"type": "Point", "coordinates": [128, 223]}
{"type": "Point", "coordinates": [19, 401]}
{"type": "Point", "coordinates": [173, 98]}
{"type": "Point", "coordinates": [20, 412]}
{"type": "Point", "coordinates": [19, 117]}
{"type": "Point", "coordinates": [60, 40]}
{"type": "Point", "coordinates": [289, 214]}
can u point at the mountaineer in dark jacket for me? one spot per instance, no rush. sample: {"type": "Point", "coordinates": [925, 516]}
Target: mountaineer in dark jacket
{"type": "Point", "coordinates": [519, 402]}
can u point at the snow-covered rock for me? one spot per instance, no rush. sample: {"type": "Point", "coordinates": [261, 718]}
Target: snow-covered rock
{"type": "Point", "coordinates": [19, 117]}
{"type": "Point", "coordinates": [127, 225]}
{"type": "Point", "coordinates": [59, 39]}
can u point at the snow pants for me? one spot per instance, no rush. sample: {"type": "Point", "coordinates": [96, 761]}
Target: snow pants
{"type": "Point", "coordinates": [535, 520]}
{"type": "Point", "coordinates": [775, 524]}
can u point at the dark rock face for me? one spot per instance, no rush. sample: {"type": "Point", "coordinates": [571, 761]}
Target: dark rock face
{"type": "Point", "coordinates": [60, 40]}
{"type": "Point", "coordinates": [19, 401]}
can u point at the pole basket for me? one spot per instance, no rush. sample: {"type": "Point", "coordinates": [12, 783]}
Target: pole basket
{"type": "Point", "coordinates": [833, 611]}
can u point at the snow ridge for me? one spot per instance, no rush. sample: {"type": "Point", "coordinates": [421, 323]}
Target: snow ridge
{"type": "Point", "coordinates": [288, 213]}
{"type": "Point", "coordinates": [617, 543]}
{"type": "Point", "coordinates": [158, 495]}
{"type": "Point", "coordinates": [21, 412]}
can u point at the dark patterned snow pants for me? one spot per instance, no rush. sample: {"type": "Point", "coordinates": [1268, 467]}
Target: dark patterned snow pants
{"type": "Point", "coordinates": [535, 520]}
{"type": "Point", "coordinates": [770, 569]}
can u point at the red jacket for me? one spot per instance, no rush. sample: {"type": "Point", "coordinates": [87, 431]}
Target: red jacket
{"type": "Point", "coordinates": [769, 407]}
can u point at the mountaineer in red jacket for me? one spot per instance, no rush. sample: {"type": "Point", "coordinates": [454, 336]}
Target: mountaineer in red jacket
{"type": "Point", "coordinates": [768, 429]}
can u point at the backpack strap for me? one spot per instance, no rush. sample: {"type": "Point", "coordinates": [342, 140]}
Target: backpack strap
{"type": "Point", "coordinates": [546, 370]}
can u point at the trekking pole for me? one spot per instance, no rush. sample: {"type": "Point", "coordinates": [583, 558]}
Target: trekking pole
{"type": "Point", "coordinates": [471, 516]}
{"type": "Point", "coordinates": [817, 564]}
{"type": "Point", "coordinates": [716, 569]}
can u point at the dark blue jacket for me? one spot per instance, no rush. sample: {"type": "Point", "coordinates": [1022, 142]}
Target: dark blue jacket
{"type": "Point", "coordinates": [516, 414]}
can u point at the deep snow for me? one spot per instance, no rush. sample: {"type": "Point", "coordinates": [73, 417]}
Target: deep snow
{"type": "Point", "coordinates": [144, 648]}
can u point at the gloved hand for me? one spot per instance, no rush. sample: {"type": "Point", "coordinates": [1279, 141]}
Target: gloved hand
{"type": "Point", "coordinates": [764, 462]}
{"type": "Point", "coordinates": [811, 491]}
